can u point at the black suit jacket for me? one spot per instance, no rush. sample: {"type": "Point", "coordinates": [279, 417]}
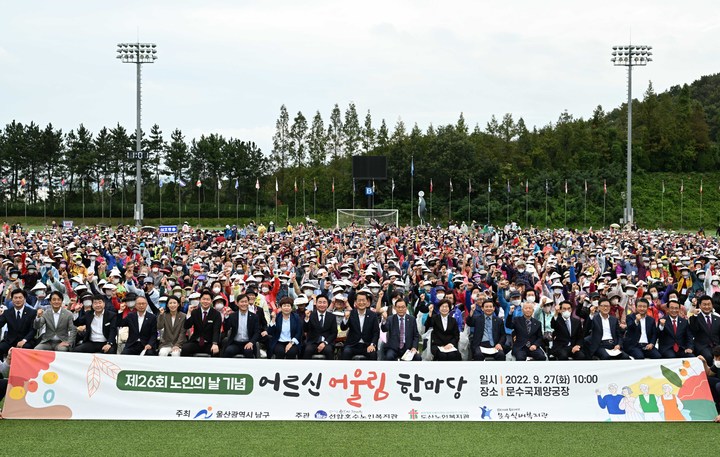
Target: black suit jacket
{"type": "Point", "coordinates": [440, 337]}
{"type": "Point", "coordinates": [18, 330]}
{"type": "Point", "coordinates": [520, 332]}
{"type": "Point", "coordinates": [370, 331]}
{"type": "Point", "coordinates": [563, 338]}
{"type": "Point", "coordinates": [477, 321]}
{"type": "Point", "coordinates": [668, 337]}
{"type": "Point", "coordinates": [317, 334]}
{"type": "Point", "coordinates": [392, 327]}
{"type": "Point", "coordinates": [253, 327]}
{"type": "Point", "coordinates": [208, 330]}
{"type": "Point", "coordinates": [145, 335]}
{"type": "Point", "coordinates": [632, 333]}
{"type": "Point", "coordinates": [109, 326]}
{"type": "Point", "coordinates": [595, 329]}
{"type": "Point", "coordinates": [705, 338]}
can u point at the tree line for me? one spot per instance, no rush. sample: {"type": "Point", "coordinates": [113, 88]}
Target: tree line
{"type": "Point", "coordinates": [673, 131]}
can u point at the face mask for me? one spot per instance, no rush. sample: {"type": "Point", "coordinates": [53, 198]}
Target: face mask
{"type": "Point", "coordinates": [513, 289]}
{"type": "Point", "coordinates": [40, 294]}
{"type": "Point", "coordinates": [530, 298]}
{"type": "Point", "coordinates": [440, 296]}
{"type": "Point", "coordinates": [686, 275]}
{"type": "Point", "coordinates": [216, 290]}
{"type": "Point", "coordinates": [155, 270]}
{"type": "Point", "coordinates": [475, 297]}
{"type": "Point", "coordinates": [701, 277]}
{"type": "Point", "coordinates": [265, 290]}
{"type": "Point", "coordinates": [13, 276]}
{"type": "Point", "coordinates": [557, 291]}
{"type": "Point", "coordinates": [521, 270]}
{"type": "Point", "coordinates": [629, 292]}
{"type": "Point", "coordinates": [115, 280]}
{"type": "Point", "coordinates": [92, 258]}
{"type": "Point", "coordinates": [546, 309]}
{"type": "Point", "coordinates": [715, 283]}
{"type": "Point", "coordinates": [653, 266]}
{"type": "Point", "coordinates": [108, 293]}
{"type": "Point", "coordinates": [194, 302]}
{"type": "Point", "coordinates": [178, 268]}
{"type": "Point", "coordinates": [623, 281]}
{"type": "Point", "coordinates": [717, 364]}
{"type": "Point", "coordinates": [654, 295]}
{"type": "Point", "coordinates": [566, 314]}
{"type": "Point", "coordinates": [130, 304]}
{"type": "Point", "coordinates": [219, 306]}
{"type": "Point", "coordinates": [171, 283]}
{"type": "Point", "coordinates": [515, 302]}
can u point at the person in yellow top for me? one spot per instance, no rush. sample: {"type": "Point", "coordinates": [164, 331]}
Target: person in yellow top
{"type": "Point", "coordinates": [77, 268]}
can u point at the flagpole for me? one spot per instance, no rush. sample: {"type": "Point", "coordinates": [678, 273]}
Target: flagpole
{"type": "Point", "coordinates": [662, 205]}
{"type": "Point", "coordinates": [526, 203]}
{"type": "Point", "coordinates": [604, 200]}
{"type": "Point", "coordinates": [303, 186]}
{"type": "Point", "coordinates": [333, 192]}
{"type": "Point", "coordinates": [450, 204]}
{"type": "Point", "coordinates": [546, 203]}
{"type": "Point", "coordinates": [295, 189]}
{"type": "Point", "coordinates": [488, 204]}
{"type": "Point", "coordinates": [82, 187]}
{"type": "Point", "coordinates": [507, 210]}
{"type": "Point", "coordinates": [585, 216]}
{"type": "Point", "coordinates": [469, 194]}
{"type": "Point", "coordinates": [314, 199]}
{"type": "Point", "coordinates": [160, 193]}
{"type": "Point", "coordinates": [257, 207]}
{"type": "Point", "coordinates": [565, 223]}
{"type": "Point", "coordinates": [412, 188]}
{"type": "Point", "coordinates": [198, 187]}
{"type": "Point", "coordinates": [392, 195]}
{"type": "Point", "coordinates": [431, 192]}
{"type": "Point", "coordinates": [217, 192]}
{"type": "Point", "coordinates": [276, 199]}
{"type": "Point", "coordinates": [682, 198]}
{"type": "Point", "coordinates": [102, 202]}
{"type": "Point", "coordinates": [237, 202]}
{"type": "Point", "coordinates": [177, 183]}
{"type": "Point", "coordinates": [701, 211]}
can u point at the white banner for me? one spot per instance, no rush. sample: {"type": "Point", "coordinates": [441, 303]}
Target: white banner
{"type": "Point", "coordinates": [57, 385]}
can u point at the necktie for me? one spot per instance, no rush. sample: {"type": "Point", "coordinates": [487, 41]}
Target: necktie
{"type": "Point", "coordinates": [204, 315]}
{"type": "Point", "coordinates": [676, 348]}
{"type": "Point", "coordinates": [487, 331]}
{"type": "Point", "coordinates": [201, 340]}
{"type": "Point", "coordinates": [18, 315]}
{"type": "Point", "coordinates": [402, 331]}
{"type": "Point", "coordinates": [709, 322]}
{"type": "Point", "coordinates": [569, 326]}
{"type": "Point", "coordinates": [527, 324]}
{"type": "Point", "coordinates": [322, 320]}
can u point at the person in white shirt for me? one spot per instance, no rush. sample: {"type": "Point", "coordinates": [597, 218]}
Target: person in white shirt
{"type": "Point", "coordinates": [56, 325]}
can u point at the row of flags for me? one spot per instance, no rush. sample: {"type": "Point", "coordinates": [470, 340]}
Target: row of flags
{"type": "Point", "coordinates": [198, 183]}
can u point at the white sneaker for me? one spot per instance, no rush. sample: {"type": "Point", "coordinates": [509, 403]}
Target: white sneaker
{"type": "Point", "coordinates": [263, 354]}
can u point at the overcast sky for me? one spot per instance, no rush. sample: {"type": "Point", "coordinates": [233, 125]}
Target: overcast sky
{"type": "Point", "coordinates": [227, 66]}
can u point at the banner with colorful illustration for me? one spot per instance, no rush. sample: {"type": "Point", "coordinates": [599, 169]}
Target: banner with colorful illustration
{"type": "Point", "coordinates": [56, 385]}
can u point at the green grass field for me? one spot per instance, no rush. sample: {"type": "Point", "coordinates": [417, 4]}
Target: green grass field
{"type": "Point", "coordinates": [109, 438]}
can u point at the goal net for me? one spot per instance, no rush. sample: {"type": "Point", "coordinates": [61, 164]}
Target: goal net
{"type": "Point", "coordinates": [366, 217]}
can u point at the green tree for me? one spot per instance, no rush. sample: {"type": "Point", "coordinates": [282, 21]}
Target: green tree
{"type": "Point", "coordinates": [298, 140]}
{"type": "Point", "coordinates": [317, 142]}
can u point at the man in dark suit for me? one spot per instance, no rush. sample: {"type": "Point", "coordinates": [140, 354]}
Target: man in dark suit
{"type": "Point", "coordinates": [488, 333]}
{"type": "Point", "coordinates": [568, 334]}
{"type": "Point", "coordinates": [205, 322]}
{"type": "Point", "coordinates": [321, 328]}
{"type": "Point", "coordinates": [641, 333]}
{"type": "Point", "coordinates": [402, 333]}
{"type": "Point", "coordinates": [142, 329]}
{"type": "Point", "coordinates": [19, 319]}
{"type": "Point", "coordinates": [363, 329]}
{"type": "Point", "coordinates": [604, 332]}
{"type": "Point", "coordinates": [243, 330]}
{"type": "Point", "coordinates": [100, 329]}
{"type": "Point", "coordinates": [527, 334]}
{"type": "Point", "coordinates": [705, 328]}
{"type": "Point", "coordinates": [675, 339]}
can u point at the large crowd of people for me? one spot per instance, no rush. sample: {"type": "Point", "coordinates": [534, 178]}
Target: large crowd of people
{"type": "Point", "coordinates": [389, 293]}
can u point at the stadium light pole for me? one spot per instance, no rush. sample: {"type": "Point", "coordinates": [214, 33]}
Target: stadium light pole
{"type": "Point", "coordinates": [137, 53]}
{"type": "Point", "coordinates": [630, 56]}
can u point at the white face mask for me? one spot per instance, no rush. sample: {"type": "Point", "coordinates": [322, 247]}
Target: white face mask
{"type": "Point", "coordinates": [715, 283]}
{"type": "Point", "coordinates": [130, 304]}
{"type": "Point", "coordinates": [440, 296]}
{"type": "Point", "coordinates": [566, 314]}
{"type": "Point", "coordinates": [594, 303]}
{"type": "Point", "coordinates": [115, 280]}
{"type": "Point", "coordinates": [265, 290]}
{"type": "Point", "coordinates": [686, 274]}
{"type": "Point", "coordinates": [629, 292]}
{"type": "Point", "coordinates": [530, 298]}
{"type": "Point", "coordinates": [40, 294]}
{"type": "Point", "coordinates": [219, 306]}
{"type": "Point", "coordinates": [623, 281]}
{"type": "Point", "coordinates": [515, 302]}
{"type": "Point", "coordinates": [155, 270]}
{"type": "Point", "coordinates": [194, 302]}
{"type": "Point", "coordinates": [521, 270]}
{"type": "Point", "coordinates": [717, 364]}
{"type": "Point", "coordinates": [216, 290]}
{"type": "Point", "coordinates": [653, 266]}
{"type": "Point", "coordinates": [87, 303]}
{"type": "Point", "coordinates": [654, 295]}
{"type": "Point", "coordinates": [557, 291]}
